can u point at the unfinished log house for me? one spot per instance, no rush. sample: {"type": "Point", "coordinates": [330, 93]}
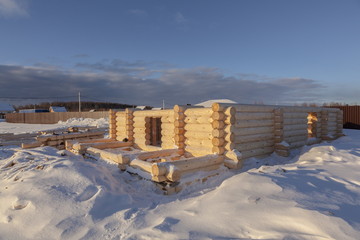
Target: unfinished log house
{"type": "Point", "coordinates": [201, 139]}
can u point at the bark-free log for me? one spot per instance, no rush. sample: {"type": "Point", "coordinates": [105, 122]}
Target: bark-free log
{"type": "Point", "coordinates": [118, 158]}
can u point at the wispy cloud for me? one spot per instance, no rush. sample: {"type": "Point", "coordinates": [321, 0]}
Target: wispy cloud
{"type": "Point", "coordinates": [179, 18]}
{"type": "Point", "coordinates": [13, 8]}
{"type": "Point", "coordinates": [142, 83]}
{"type": "Point", "coordinates": [138, 12]}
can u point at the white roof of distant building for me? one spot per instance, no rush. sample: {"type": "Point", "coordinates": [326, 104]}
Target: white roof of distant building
{"type": "Point", "coordinates": [209, 103]}
{"type": "Point", "coordinates": [58, 109]}
{"type": "Point", "coordinates": [141, 107]}
{"type": "Point", "coordinates": [5, 107]}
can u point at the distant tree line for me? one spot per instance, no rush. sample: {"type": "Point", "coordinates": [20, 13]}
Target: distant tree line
{"type": "Point", "coordinates": [74, 106]}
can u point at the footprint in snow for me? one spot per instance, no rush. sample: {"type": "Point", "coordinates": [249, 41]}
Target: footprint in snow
{"type": "Point", "coordinates": [167, 224]}
{"type": "Point", "coordinates": [20, 204]}
{"type": "Point", "coordinates": [88, 193]}
{"type": "Point", "coordinates": [130, 213]}
{"type": "Point", "coordinates": [253, 199]}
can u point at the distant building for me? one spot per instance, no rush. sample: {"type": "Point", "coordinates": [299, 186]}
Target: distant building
{"type": "Point", "coordinates": [33, 110]}
{"type": "Point", "coordinates": [144, 107]}
{"type": "Point", "coordinates": [209, 103]}
{"type": "Point", "coordinates": [57, 109]}
{"type": "Point", "coordinates": [5, 108]}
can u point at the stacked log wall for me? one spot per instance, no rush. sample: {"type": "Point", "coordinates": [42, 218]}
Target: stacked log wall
{"type": "Point", "coordinates": [198, 131]}
{"type": "Point", "coordinates": [253, 130]}
{"type": "Point", "coordinates": [167, 129]}
{"type": "Point", "coordinates": [112, 124]}
{"type": "Point", "coordinates": [141, 127]}
{"type": "Point", "coordinates": [299, 124]}
{"type": "Point", "coordinates": [120, 118]}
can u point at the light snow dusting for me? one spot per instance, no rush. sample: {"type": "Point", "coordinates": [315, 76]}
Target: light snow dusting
{"type": "Point", "coordinates": [51, 194]}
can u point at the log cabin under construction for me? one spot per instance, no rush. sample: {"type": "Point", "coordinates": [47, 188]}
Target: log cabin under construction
{"type": "Point", "coordinates": [167, 144]}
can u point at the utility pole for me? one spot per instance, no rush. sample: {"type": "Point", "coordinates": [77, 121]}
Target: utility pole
{"type": "Point", "coordinates": [79, 103]}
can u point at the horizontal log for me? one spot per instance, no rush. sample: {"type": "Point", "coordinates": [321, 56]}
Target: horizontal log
{"type": "Point", "coordinates": [184, 165]}
{"type": "Point", "coordinates": [100, 145]}
{"type": "Point", "coordinates": [253, 131]}
{"type": "Point", "coordinates": [140, 164]}
{"type": "Point", "coordinates": [254, 115]}
{"type": "Point", "coordinates": [120, 114]}
{"type": "Point", "coordinates": [292, 133]}
{"type": "Point", "coordinates": [31, 145]}
{"type": "Point", "coordinates": [198, 151]}
{"type": "Point", "coordinates": [290, 121]}
{"type": "Point", "coordinates": [141, 130]}
{"type": "Point", "coordinates": [44, 138]}
{"type": "Point", "coordinates": [121, 129]}
{"type": "Point", "coordinates": [198, 127]}
{"type": "Point", "coordinates": [157, 154]}
{"type": "Point", "coordinates": [253, 138]}
{"type": "Point", "coordinates": [141, 124]}
{"type": "Point", "coordinates": [118, 158]}
{"type": "Point", "coordinates": [199, 142]}
{"type": "Point", "coordinates": [254, 145]}
{"type": "Point", "coordinates": [141, 119]}
{"type": "Point", "coordinates": [296, 138]}
{"type": "Point", "coordinates": [167, 119]}
{"type": "Point", "coordinates": [120, 119]}
{"type": "Point", "coordinates": [295, 115]}
{"type": "Point", "coordinates": [199, 135]}
{"type": "Point", "coordinates": [242, 107]}
{"type": "Point", "coordinates": [254, 123]}
{"type": "Point", "coordinates": [201, 169]}
{"type": "Point", "coordinates": [299, 109]}
{"type": "Point", "coordinates": [153, 113]}
{"type": "Point", "coordinates": [198, 111]}
{"type": "Point", "coordinates": [195, 119]}
{"type": "Point", "coordinates": [167, 126]}
{"type": "Point", "coordinates": [295, 127]}
{"type": "Point", "coordinates": [257, 152]}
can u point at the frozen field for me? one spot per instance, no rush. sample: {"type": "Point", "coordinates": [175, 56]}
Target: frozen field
{"type": "Point", "coordinates": [51, 194]}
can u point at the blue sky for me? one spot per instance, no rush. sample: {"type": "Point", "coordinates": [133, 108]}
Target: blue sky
{"type": "Point", "coordinates": [141, 52]}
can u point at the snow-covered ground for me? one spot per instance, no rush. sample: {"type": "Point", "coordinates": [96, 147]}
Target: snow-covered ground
{"type": "Point", "coordinates": [19, 128]}
{"type": "Point", "coordinates": [51, 194]}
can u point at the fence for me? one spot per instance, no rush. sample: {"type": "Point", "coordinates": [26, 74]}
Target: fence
{"type": "Point", "coordinates": [52, 117]}
{"type": "Point", "coordinates": [351, 116]}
